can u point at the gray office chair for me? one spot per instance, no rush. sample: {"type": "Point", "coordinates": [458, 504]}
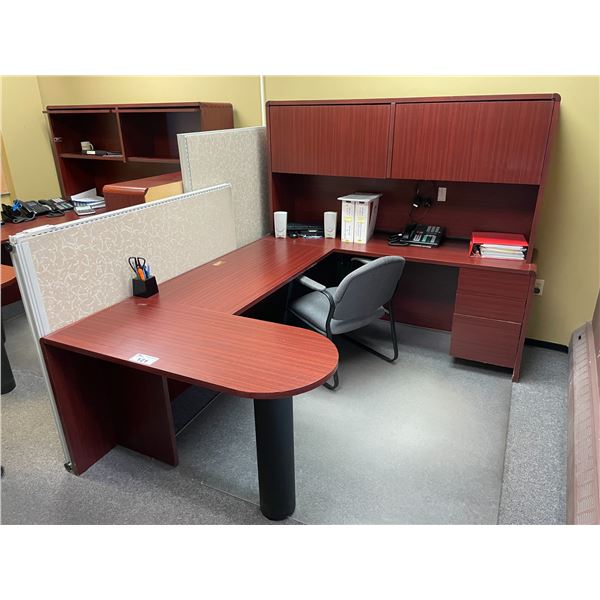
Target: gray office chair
{"type": "Point", "coordinates": [357, 301]}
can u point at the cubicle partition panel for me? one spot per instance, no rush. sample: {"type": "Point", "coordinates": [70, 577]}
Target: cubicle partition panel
{"type": "Point", "coordinates": [69, 271]}
{"type": "Point", "coordinates": [583, 468]}
{"type": "Point", "coordinates": [237, 156]}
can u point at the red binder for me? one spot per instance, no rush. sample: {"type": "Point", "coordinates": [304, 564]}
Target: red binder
{"type": "Point", "coordinates": [502, 239]}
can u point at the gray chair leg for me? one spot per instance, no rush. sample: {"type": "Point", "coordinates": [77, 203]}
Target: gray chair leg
{"type": "Point", "coordinates": [336, 382]}
{"type": "Point", "coordinates": [394, 339]}
{"type": "Point", "coordinates": [336, 378]}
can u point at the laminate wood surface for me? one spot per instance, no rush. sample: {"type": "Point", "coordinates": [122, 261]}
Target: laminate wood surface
{"type": "Point", "coordinates": [501, 285]}
{"type": "Point", "coordinates": [418, 99]}
{"type": "Point", "coordinates": [501, 142]}
{"type": "Point", "coordinates": [485, 340]}
{"type": "Point", "coordinates": [129, 193]}
{"type": "Point", "coordinates": [330, 140]}
{"type": "Point", "coordinates": [7, 275]}
{"type": "Point", "coordinates": [227, 353]}
{"type": "Point", "coordinates": [237, 281]}
{"type": "Point", "coordinates": [9, 229]}
{"type": "Point", "coordinates": [491, 307]}
{"type": "Point", "coordinates": [453, 253]}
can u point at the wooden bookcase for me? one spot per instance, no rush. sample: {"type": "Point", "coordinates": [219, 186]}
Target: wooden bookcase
{"type": "Point", "coordinates": [143, 135]}
{"type": "Point", "coordinates": [489, 152]}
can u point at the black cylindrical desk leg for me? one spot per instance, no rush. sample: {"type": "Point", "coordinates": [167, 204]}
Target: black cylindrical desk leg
{"type": "Point", "coordinates": [274, 422]}
{"type": "Point", "coordinates": [8, 379]}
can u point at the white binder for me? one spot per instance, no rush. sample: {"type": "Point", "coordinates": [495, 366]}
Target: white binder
{"type": "Point", "coordinates": [364, 208]}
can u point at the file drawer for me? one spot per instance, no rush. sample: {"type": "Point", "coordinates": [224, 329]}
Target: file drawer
{"type": "Point", "coordinates": [494, 283]}
{"type": "Point", "coordinates": [485, 340]}
{"type": "Point", "coordinates": [490, 307]}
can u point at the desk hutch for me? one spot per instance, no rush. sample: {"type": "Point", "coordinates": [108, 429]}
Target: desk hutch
{"type": "Point", "coordinates": [490, 152]}
{"type": "Point", "coordinates": [144, 135]}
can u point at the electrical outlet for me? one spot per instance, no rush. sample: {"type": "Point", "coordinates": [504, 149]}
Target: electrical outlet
{"type": "Point", "coordinates": [538, 288]}
{"type": "Point", "coordinates": [441, 194]}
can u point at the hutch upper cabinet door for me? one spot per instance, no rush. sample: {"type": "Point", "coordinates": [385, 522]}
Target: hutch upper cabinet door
{"type": "Point", "coordinates": [346, 140]}
{"type": "Point", "coordinates": [500, 141]}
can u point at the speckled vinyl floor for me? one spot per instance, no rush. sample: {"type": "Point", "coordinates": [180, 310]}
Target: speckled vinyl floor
{"type": "Point", "coordinates": [427, 440]}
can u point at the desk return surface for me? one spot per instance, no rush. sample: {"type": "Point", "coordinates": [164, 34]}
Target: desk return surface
{"type": "Point", "coordinates": [205, 348]}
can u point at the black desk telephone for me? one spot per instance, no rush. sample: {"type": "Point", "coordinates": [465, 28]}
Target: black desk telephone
{"type": "Point", "coordinates": [414, 234]}
{"type": "Point", "coordinates": [26, 211]}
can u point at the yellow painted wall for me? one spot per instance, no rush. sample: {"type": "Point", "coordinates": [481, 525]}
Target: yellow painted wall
{"type": "Point", "coordinates": [6, 185]}
{"type": "Point", "coordinates": [242, 92]}
{"type": "Point", "coordinates": [569, 229]}
{"type": "Point", "coordinates": [27, 139]}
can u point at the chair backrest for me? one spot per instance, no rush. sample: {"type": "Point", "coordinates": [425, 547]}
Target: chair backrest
{"type": "Point", "coordinates": [367, 288]}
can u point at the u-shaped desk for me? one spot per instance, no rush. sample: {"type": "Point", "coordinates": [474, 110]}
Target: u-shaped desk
{"type": "Point", "coordinates": [194, 329]}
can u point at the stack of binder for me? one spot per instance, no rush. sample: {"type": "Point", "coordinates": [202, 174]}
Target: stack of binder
{"type": "Point", "coordinates": [359, 213]}
{"type": "Point", "coordinates": [88, 198]}
{"type": "Point", "coordinates": [509, 246]}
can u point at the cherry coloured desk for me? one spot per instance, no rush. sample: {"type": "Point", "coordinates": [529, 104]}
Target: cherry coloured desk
{"type": "Point", "coordinates": [9, 229]}
{"type": "Point", "coordinates": [485, 307]}
{"type": "Point", "coordinates": [194, 328]}
{"type": "Point", "coordinates": [104, 399]}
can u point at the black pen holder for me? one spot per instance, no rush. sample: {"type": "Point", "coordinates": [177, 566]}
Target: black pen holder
{"type": "Point", "coordinates": [144, 289]}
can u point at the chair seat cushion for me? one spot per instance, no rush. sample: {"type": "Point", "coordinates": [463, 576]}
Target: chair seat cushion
{"type": "Point", "coordinates": [313, 308]}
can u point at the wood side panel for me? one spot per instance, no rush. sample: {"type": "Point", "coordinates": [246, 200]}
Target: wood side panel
{"type": "Point", "coordinates": [176, 388]}
{"type": "Point", "coordinates": [426, 295]}
{"type": "Point", "coordinates": [525, 320]}
{"type": "Point", "coordinates": [475, 141]}
{"type": "Point", "coordinates": [142, 414]}
{"type": "Point", "coordinates": [485, 340]}
{"type": "Point", "coordinates": [330, 140]}
{"type": "Point", "coordinates": [81, 390]}
{"type": "Point", "coordinates": [216, 117]}
{"type": "Point", "coordinates": [544, 178]}
{"type": "Point", "coordinates": [501, 285]}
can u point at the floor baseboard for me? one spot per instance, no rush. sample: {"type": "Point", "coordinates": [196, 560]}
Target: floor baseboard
{"type": "Point", "coordinates": [547, 345]}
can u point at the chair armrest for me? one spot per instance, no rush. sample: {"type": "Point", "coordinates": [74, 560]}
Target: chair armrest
{"type": "Point", "coordinates": [364, 261]}
{"type": "Point", "coordinates": [311, 284]}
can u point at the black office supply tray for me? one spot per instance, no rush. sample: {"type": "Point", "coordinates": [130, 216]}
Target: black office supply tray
{"type": "Point", "coordinates": [145, 289]}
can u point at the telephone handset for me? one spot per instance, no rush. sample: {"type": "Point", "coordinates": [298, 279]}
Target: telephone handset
{"type": "Point", "coordinates": [415, 234]}
{"type": "Point", "coordinates": [17, 213]}
{"type": "Point", "coordinates": [36, 207]}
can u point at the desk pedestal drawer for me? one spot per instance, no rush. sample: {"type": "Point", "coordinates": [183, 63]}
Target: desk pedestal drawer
{"type": "Point", "coordinates": [485, 340]}
{"type": "Point", "coordinates": [490, 307]}
{"type": "Point", "coordinates": [494, 283]}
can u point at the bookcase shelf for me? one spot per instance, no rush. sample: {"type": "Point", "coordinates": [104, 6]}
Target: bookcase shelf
{"type": "Point", "coordinates": [152, 159]}
{"type": "Point", "coordinates": [145, 135]}
{"type": "Point", "coordinates": [120, 157]}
